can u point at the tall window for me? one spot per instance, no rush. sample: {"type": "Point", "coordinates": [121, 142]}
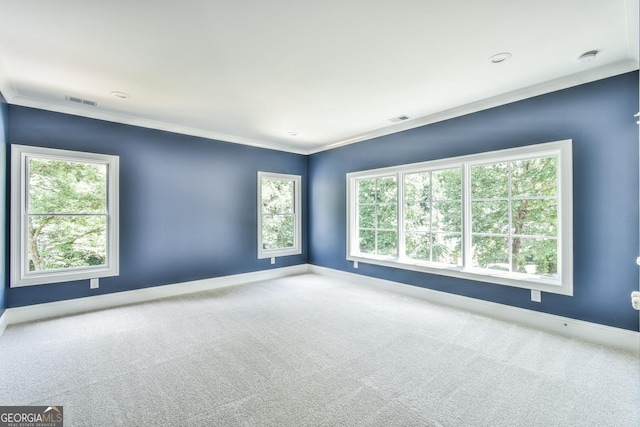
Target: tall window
{"type": "Point", "coordinates": [279, 215]}
{"type": "Point", "coordinates": [64, 215]}
{"type": "Point", "coordinates": [433, 216]}
{"type": "Point", "coordinates": [503, 217]}
{"type": "Point", "coordinates": [514, 216]}
{"type": "Point", "coordinates": [378, 218]}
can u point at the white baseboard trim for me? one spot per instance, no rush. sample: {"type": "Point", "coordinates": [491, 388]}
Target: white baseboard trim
{"type": "Point", "coordinates": [587, 331]}
{"type": "Point", "coordinates": [593, 332]}
{"type": "Point", "coordinates": [73, 306]}
{"type": "Point", "coordinates": [3, 322]}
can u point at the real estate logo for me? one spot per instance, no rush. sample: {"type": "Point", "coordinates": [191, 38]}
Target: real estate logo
{"type": "Point", "coordinates": [31, 416]}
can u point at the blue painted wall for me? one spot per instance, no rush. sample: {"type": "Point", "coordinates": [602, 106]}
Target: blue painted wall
{"type": "Point", "coordinates": [3, 196]}
{"type": "Point", "coordinates": [187, 204]}
{"type": "Point", "coordinates": [598, 117]}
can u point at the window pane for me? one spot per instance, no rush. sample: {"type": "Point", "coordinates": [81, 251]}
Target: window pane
{"type": "Point", "coordinates": [536, 177]}
{"type": "Point", "coordinates": [387, 243]}
{"type": "Point", "coordinates": [57, 186]}
{"type": "Point", "coordinates": [367, 240]}
{"type": "Point", "coordinates": [277, 196]}
{"type": "Point", "coordinates": [367, 217]}
{"type": "Point", "coordinates": [417, 216]}
{"type": "Point", "coordinates": [418, 246]}
{"type": "Point", "coordinates": [416, 187]}
{"type": "Point", "coordinates": [490, 252]}
{"type": "Point", "coordinates": [536, 256]}
{"type": "Point", "coordinates": [535, 217]}
{"type": "Point", "coordinates": [490, 217]}
{"type": "Point", "coordinates": [367, 190]}
{"type": "Point", "coordinates": [387, 216]}
{"type": "Point", "coordinates": [447, 184]}
{"type": "Point", "coordinates": [60, 242]}
{"type": "Point", "coordinates": [278, 231]}
{"type": "Point", "coordinates": [387, 190]}
{"type": "Point", "coordinates": [437, 247]}
{"type": "Point", "coordinates": [447, 216]}
{"type": "Point", "coordinates": [490, 181]}
{"type": "Point", "coordinates": [447, 249]}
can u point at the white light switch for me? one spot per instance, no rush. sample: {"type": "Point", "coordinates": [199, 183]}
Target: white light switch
{"type": "Point", "coordinates": [273, 260]}
{"type": "Point", "coordinates": [94, 283]}
{"type": "Point", "coordinates": [355, 264]}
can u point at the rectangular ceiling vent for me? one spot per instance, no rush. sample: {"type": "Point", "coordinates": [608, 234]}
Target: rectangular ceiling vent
{"type": "Point", "coordinates": [399, 119]}
{"type": "Point", "coordinates": [82, 101]}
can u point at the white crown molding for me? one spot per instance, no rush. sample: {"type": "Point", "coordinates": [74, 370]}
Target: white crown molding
{"type": "Point", "coordinates": [610, 70]}
{"type": "Point", "coordinates": [589, 76]}
{"type": "Point", "coordinates": [109, 116]}
{"type": "Point", "coordinates": [578, 329]}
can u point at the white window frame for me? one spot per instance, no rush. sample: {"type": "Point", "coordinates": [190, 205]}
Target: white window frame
{"type": "Point", "coordinates": [562, 284]}
{"type": "Point", "coordinates": [296, 249]}
{"type": "Point", "coordinates": [20, 276]}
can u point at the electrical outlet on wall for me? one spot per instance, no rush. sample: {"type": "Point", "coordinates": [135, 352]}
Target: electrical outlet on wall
{"type": "Point", "coordinates": [635, 300]}
{"type": "Point", "coordinates": [536, 295]}
{"type": "Point", "coordinates": [94, 283]}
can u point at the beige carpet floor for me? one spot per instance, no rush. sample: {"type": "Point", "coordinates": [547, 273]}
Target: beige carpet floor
{"type": "Point", "coordinates": [311, 351]}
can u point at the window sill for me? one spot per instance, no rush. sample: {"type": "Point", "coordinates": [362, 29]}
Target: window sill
{"type": "Point", "coordinates": [541, 283]}
{"type": "Point", "coordinates": [70, 275]}
{"type": "Point", "coordinates": [277, 253]}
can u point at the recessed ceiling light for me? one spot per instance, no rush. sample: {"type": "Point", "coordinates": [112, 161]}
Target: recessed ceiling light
{"type": "Point", "coordinates": [293, 133]}
{"type": "Point", "coordinates": [500, 57]}
{"type": "Point", "coordinates": [588, 56]}
{"type": "Point", "coordinates": [121, 95]}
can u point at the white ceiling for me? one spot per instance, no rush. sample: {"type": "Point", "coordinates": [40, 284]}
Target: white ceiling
{"type": "Point", "coordinates": [335, 72]}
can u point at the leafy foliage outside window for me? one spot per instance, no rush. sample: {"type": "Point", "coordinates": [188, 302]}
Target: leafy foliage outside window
{"type": "Point", "coordinates": [66, 214]}
{"type": "Point", "coordinates": [433, 216]}
{"type": "Point", "coordinates": [514, 216]}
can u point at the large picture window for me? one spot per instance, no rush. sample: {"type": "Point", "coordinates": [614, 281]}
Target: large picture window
{"type": "Point", "coordinates": [279, 215]}
{"type": "Point", "coordinates": [64, 215]}
{"type": "Point", "coordinates": [502, 217]}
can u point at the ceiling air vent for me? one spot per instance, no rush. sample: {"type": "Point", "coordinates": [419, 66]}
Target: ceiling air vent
{"type": "Point", "coordinates": [82, 101]}
{"type": "Point", "coordinates": [399, 119]}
